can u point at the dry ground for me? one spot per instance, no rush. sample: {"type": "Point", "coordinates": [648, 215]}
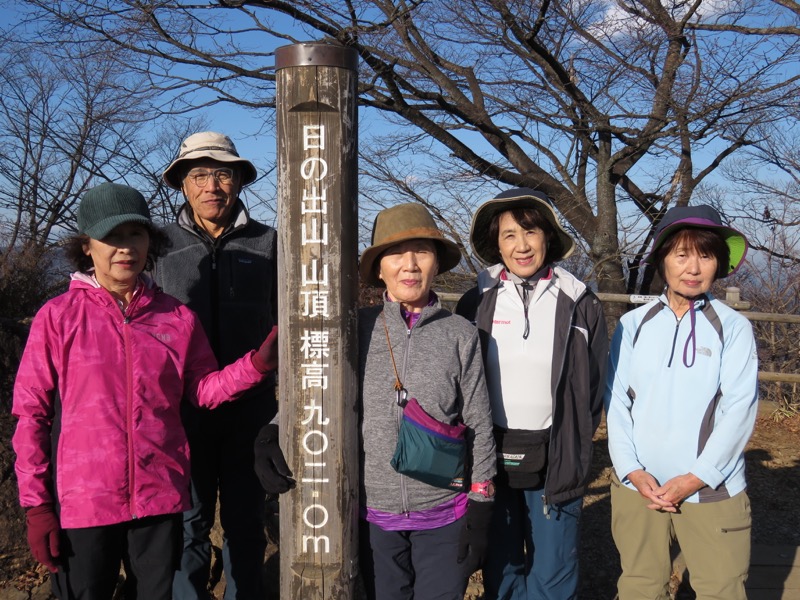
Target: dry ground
{"type": "Point", "coordinates": [773, 471]}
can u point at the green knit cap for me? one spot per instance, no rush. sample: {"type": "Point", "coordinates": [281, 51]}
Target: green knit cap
{"type": "Point", "coordinates": [108, 205]}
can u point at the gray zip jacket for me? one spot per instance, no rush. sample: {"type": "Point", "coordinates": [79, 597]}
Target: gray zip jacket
{"type": "Point", "coordinates": [439, 363]}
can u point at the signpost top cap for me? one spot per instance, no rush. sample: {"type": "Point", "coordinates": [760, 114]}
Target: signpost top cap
{"type": "Point", "coordinates": [316, 54]}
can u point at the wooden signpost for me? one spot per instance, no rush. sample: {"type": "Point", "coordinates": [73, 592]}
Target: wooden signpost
{"type": "Point", "coordinates": [318, 291]}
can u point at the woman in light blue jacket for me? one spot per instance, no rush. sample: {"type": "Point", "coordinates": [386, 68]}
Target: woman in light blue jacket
{"type": "Point", "coordinates": [681, 403]}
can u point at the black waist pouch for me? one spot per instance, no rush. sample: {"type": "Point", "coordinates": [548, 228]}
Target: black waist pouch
{"type": "Point", "coordinates": [521, 457]}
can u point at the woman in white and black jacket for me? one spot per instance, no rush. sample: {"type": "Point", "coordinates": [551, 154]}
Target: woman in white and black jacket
{"type": "Point", "coordinates": [545, 344]}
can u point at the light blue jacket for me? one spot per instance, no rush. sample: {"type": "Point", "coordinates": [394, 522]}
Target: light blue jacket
{"type": "Point", "coordinates": [681, 397]}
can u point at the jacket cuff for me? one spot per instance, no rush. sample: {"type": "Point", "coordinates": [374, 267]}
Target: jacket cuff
{"type": "Point", "coordinates": [707, 473]}
{"type": "Point", "coordinates": [475, 497]}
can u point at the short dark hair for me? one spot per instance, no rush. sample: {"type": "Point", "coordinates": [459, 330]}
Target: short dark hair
{"type": "Point", "coordinates": [704, 241]}
{"type": "Point", "coordinates": [73, 249]}
{"type": "Point", "coordinates": [528, 219]}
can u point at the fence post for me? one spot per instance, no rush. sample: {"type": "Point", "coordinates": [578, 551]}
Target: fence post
{"type": "Point", "coordinates": [317, 138]}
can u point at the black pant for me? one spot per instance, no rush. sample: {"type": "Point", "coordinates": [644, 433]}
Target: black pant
{"type": "Point", "coordinates": [418, 565]}
{"type": "Point", "coordinates": [149, 548]}
{"type": "Point", "coordinates": [221, 446]}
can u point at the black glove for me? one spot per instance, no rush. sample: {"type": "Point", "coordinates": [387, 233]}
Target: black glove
{"type": "Point", "coordinates": [475, 535]}
{"type": "Point", "coordinates": [270, 465]}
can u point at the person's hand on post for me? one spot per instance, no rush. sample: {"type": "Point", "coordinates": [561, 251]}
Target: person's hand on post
{"type": "Point", "coordinates": [270, 464]}
{"type": "Point", "coordinates": [474, 538]}
{"type": "Point", "coordinates": [265, 359]}
{"type": "Point", "coordinates": [677, 489]}
{"type": "Point", "coordinates": [44, 535]}
{"type": "Point", "coordinates": [646, 484]}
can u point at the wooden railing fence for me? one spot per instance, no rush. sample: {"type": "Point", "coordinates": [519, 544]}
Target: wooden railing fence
{"type": "Point", "coordinates": [732, 299]}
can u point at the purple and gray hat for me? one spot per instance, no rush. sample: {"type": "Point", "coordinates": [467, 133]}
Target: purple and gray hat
{"type": "Point", "coordinates": [700, 217]}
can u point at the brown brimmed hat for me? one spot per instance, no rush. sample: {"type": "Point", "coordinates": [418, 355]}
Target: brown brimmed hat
{"type": "Point", "coordinates": [487, 250]}
{"type": "Point", "coordinates": [402, 223]}
{"type": "Point", "coordinates": [208, 144]}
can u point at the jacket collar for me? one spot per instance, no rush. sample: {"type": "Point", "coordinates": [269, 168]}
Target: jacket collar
{"type": "Point", "coordinates": [699, 302]}
{"type": "Point", "coordinates": [239, 218]}
{"type": "Point", "coordinates": [567, 283]}
{"type": "Point", "coordinates": [394, 309]}
{"type": "Point", "coordinates": [143, 295]}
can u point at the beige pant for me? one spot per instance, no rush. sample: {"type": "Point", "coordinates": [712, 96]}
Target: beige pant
{"type": "Point", "coordinates": [714, 538]}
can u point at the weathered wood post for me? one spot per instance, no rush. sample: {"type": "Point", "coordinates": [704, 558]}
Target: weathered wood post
{"type": "Point", "coordinates": [317, 257]}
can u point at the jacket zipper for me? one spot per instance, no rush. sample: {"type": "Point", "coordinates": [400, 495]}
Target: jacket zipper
{"type": "Point", "coordinates": [129, 413]}
{"type": "Point", "coordinates": [403, 490]}
{"type": "Point", "coordinates": [674, 338]}
{"type": "Point", "coordinates": [127, 313]}
{"type": "Point", "coordinates": [215, 333]}
{"type": "Point", "coordinates": [231, 270]}
{"type": "Point", "coordinates": [214, 243]}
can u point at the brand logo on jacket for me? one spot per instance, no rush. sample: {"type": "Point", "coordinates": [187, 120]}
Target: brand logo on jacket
{"type": "Point", "coordinates": [501, 322]}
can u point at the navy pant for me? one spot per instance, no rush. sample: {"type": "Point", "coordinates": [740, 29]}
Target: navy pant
{"type": "Point", "coordinates": [406, 565]}
{"type": "Point", "coordinates": [533, 549]}
{"type": "Point", "coordinates": [91, 556]}
{"type": "Point", "coordinates": [221, 446]}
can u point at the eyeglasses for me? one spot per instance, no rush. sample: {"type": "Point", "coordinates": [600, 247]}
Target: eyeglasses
{"type": "Point", "coordinates": [199, 177]}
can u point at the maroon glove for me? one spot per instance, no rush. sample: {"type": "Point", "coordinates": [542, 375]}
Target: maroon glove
{"type": "Point", "coordinates": [44, 533]}
{"type": "Point", "coordinates": [266, 357]}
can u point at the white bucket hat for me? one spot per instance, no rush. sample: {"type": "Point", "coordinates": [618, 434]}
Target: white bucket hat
{"type": "Point", "coordinates": [208, 144]}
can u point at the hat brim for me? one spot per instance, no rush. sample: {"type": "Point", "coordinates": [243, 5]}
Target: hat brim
{"type": "Point", "coordinates": [479, 231]}
{"type": "Point", "coordinates": [101, 229]}
{"type": "Point", "coordinates": [735, 240]}
{"type": "Point", "coordinates": [172, 174]}
{"type": "Point", "coordinates": [449, 256]}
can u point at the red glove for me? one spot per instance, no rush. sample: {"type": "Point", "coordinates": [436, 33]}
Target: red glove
{"type": "Point", "coordinates": [266, 357]}
{"type": "Point", "coordinates": [44, 533]}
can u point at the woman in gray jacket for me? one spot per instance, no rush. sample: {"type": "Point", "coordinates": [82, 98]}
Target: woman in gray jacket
{"type": "Point", "coordinates": [419, 540]}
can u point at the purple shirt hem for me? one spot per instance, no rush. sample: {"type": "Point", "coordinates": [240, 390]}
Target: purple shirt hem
{"type": "Point", "coordinates": [430, 518]}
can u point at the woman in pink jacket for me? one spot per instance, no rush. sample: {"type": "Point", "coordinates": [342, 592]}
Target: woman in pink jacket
{"type": "Point", "coordinates": [102, 457]}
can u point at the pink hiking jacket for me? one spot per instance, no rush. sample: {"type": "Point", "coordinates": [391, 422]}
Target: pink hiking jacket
{"type": "Point", "coordinates": [108, 386]}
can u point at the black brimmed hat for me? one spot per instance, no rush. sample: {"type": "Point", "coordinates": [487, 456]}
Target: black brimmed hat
{"type": "Point", "coordinates": [486, 249]}
{"type": "Point", "coordinates": [700, 217]}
